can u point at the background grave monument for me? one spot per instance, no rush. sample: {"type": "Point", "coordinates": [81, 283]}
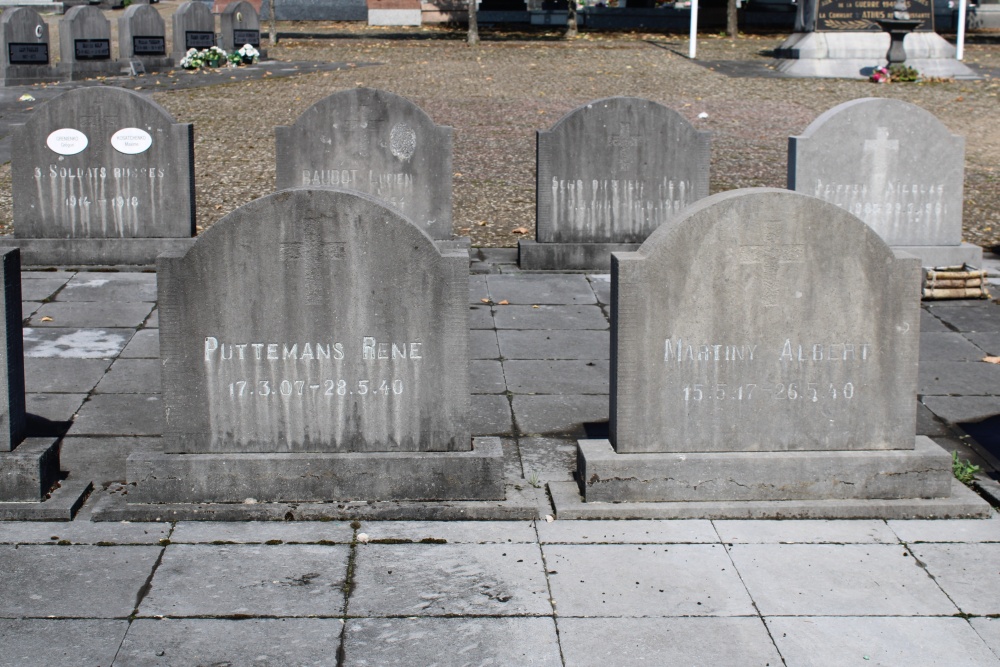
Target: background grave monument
{"type": "Point", "coordinates": [376, 142]}
{"type": "Point", "coordinates": [895, 166]}
{"type": "Point", "coordinates": [142, 37]}
{"type": "Point", "coordinates": [194, 28]}
{"type": "Point", "coordinates": [609, 173]}
{"type": "Point", "coordinates": [85, 44]}
{"type": "Point", "coordinates": [239, 25]}
{"type": "Point", "coordinates": [102, 176]}
{"type": "Point", "coordinates": [784, 386]}
{"type": "Point", "coordinates": [24, 40]}
{"type": "Point", "coordinates": [328, 361]}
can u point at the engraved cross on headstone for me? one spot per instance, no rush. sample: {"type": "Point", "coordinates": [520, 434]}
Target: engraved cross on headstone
{"type": "Point", "coordinates": [625, 144]}
{"type": "Point", "coordinates": [309, 256]}
{"type": "Point", "coordinates": [879, 153]}
{"type": "Point", "coordinates": [768, 258]}
{"type": "Point", "coordinates": [365, 125]}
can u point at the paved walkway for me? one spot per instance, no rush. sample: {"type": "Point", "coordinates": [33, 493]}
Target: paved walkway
{"type": "Point", "coordinates": [501, 593]}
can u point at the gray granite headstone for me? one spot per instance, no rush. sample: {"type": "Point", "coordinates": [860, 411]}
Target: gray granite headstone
{"type": "Point", "coordinates": [102, 176]}
{"type": "Point", "coordinates": [895, 166]}
{"type": "Point", "coordinates": [375, 142]}
{"type": "Point", "coordinates": [85, 44]}
{"type": "Point", "coordinates": [142, 36]}
{"type": "Point", "coordinates": [609, 173]}
{"type": "Point", "coordinates": [239, 25]}
{"type": "Point", "coordinates": [194, 28]}
{"type": "Point", "coordinates": [24, 42]}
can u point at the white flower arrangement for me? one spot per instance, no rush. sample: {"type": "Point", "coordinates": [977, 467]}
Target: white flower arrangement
{"type": "Point", "coordinates": [215, 57]}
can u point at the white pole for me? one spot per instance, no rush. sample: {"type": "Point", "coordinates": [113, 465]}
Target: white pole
{"type": "Point", "coordinates": [693, 47]}
{"type": "Point", "coordinates": [960, 47]}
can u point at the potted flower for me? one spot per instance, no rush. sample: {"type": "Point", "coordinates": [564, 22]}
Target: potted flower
{"type": "Point", "coordinates": [248, 54]}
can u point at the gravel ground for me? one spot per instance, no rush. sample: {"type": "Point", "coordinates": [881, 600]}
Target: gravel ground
{"type": "Point", "coordinates": [497, 95]}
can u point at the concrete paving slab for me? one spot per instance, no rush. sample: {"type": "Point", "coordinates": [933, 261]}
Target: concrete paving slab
{"type": "Point", "coordinates": [107, 287]}
{"type": "Point", "coordinates": [483, 344]}
{"type": "Point", "coordinates": [961, 378]}
{"type": "Point", "coordinates": [555, 344]}
{"type": "Point", "coordinates": [258, 641]}
{"type": "Point", "coordinates": [449, 579]}
{"type": "Point", "coordinates": [616, 580]}
{"type": "Point", "coordinates": [601, 284]}
{"type": "Point", "coordinates": [948, 346]}
{"type": "Point", "coordinates": [63, 375]}
{"type": "Point", "coordinates": [948, 531]}
{"type": "Point", "coordinates": [838, 580]}
{"type": "Point", "coordinates": [489, 414]}
{"type": "Point", "coordinates": [563, 414]}
{"type": "Point", "coordinates": [82, 532]}
{"type": "Point", "coordinates": [928, 423]}
{"type": "Point", "coordinates": [988, 342]}
{"type": "Point", "coordinates": [486, 377]}
{"type": "Point", "coordinates": [966, 572]}
{"type": "Point", "coordinates": [983, 317]}
{"type": "Point", "coordinates": [145, 344]}
{"type": "Point", "coordinates": [596, 642]}
{"type": "Point", "coordinates": [989, 630]}
{"type": "Point", "coordinates": [90, 315]}
{"type": "Point", "coordinates": [478, 289]}
{"type": "Point", "coordinates": [245, 580]}
{"type": "Point", "coordinates": [102, 458]}
{"type": "Point", "coordinates": [75, 581]}
{"type": "Point", "coordinates": [550, 459]}
{"type": "Point", "coordinates": [28, 308]}
{"type": "Point", "coordinates": [805, 532]}
{"type": "Point", "coordinates": [889, 642]}
{"type": "Point", "coordinates": [451, 642]}
{"type": "Point", "coordinates": [480, 317]}
{"type": "Point", "coordinates": [75, 343]}
{"type": "Point", "coordinates": [929, 323]}
{"type": "Point", "coordinates": [550, 317]}
{"type": "Point", "coordinates": [40, 289]}
{"type": "Point", "coordinates": [450, 532]}
{"type": "Point", "coordinates": [260, 532]}
{"type": "Point", "coordinates": [577, 376]}
{"type": "Point", "coordinates": [627, 532]}
{"type": "Point", "coordinates": [512, 471]}
{"type": "Point", "coordinates": [961, 409]}
{"type": "Point", "coordinates": [531, 289]}
{"type": "Point", "coordinates": [120, 414]}
{"type": "Point", "coordinates": [153, 321]}
{"type": "Point", "coordinates": [53, 407]}
{"type": "Point", "coordinates": [46, 642]}
{"type": "Point", "coordinates": [131, 376]}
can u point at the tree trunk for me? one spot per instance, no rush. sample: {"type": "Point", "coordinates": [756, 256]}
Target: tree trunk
{"type": "Point", "coordinates": [473, 38]}
{"type": "Point", "coordinates": [732, 25]}
{"type": "Point", "coordinates": [571, 30]}
{"type": "Point", "coordinates": [273, 27]}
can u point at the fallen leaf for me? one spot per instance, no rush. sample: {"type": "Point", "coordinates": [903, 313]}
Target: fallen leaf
{"type": "Point", "coordinates": [520, 230]}
{"type": "Point", "coordinates": [481, 223]}
{"type": "Point", "coordinates": [46, 319]}
{"type": "Point", "coordinates": [992, 360]}
{"type": "Point", "coordinates": [505, 302]}
{"type": "Point", "coordinates": [485, 300]}
{"type": "Point", "coordinates": [536, 306]}
{"type": "Point", "coordinates": [26, 98]}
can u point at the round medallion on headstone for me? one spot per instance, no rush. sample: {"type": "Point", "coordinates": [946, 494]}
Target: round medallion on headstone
{"type": "Point", "coordinates": [39, 31]}
{"type": "Point", "coordinates": [131, 141]}
{"type": "Point", "coordinates": [67, 141]}
{"type": "Point", "coordinates": [402, 141]}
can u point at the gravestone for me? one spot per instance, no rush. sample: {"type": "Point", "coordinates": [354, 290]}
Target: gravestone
{"type": "Point", "coordinates": [24, 40]}
{"type": "Point", "coordinates": [783, 383]}
{"type": "Point", "coordinates": [194, 28]}
{"type": "Point", "coordinates": [102, 176]}
{"type": "Point", "coordinates": [609, 173]}
{"type": "Point", "coordinates": [85, 44]}
{"type": "Point", "coordinates": [328, 361]}
{"type": "Point", "coordinates": [895, 166]}
{"type": "Point", "coordinates": [142, 36]}
{"type": "Point", "coordinates": [240, 25]}
{"type": "Point", "coordinates": [376, 142]}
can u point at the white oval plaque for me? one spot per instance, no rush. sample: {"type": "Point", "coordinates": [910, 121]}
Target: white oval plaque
{"type": "Point", "coordinates": [131, 141]}
{"type": "Point", "coordinates": [67, 141]}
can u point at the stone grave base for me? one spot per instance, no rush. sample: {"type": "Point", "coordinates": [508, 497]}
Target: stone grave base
{"type": "Point", "coordinates": [535, 256]}
{"type": "Point", "coordinates": [28, 472]}
{"type": "Point", "coordinates": [28, 75]}
{"type": "Point", "coordinates": [149, 63]}
{"type": "Point", "coordinates": [946, 255]}
{"type": "Point", "coordinates": [104, 252]}
{"type": "Point", "coordinates": [77, 71]}
{"type": "Point", "coordinates": [893, 484]}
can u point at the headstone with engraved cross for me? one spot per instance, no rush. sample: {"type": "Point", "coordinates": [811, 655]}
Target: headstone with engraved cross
{"type": "Point", "coordinates": [85, 44]}
{"type": "Point", "coordinates": [763, 350]}
{"type": "Point", "coordinates": [376, 142]}
{"type": "Point", "coordinates": [609, 173]}
{"type": "Point", "coordinates": [895, 166]}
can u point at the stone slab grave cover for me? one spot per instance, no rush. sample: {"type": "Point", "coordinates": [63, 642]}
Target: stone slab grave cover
{"type": "Point", "coordinates": [609, 173]}
{"type": "Point", "coordinates": [24, 41]}
{"type": "Point", "coordinates": [102, 176]}
{"type": "Point", "coordinates": [194, 28]}
{"type": "Point", "coordinates": [895, 166]}
{"type": "Point", "coordinates": [376, 142]}
{"type": "Point", "coordinates": [142, 36]}
{"type": "Point", "coordinates": [240, 25]}
{"type": "Point", "coordinates": [85, 44]}
{"type": "Point", "coordinates": [314, 346]}
{"type": "Point", "coordinates": [782, 385]}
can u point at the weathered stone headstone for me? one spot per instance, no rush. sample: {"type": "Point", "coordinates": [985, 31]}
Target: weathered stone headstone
{"type": "Point", "coordinates": [142, 36]}
{"type": "Point", "coordinates": [194, 28]}
{"type": "Point", "coordinates": [895, 166]}
{"type": "Point", "coordinates": [375, 142]}
{"type": "Point", "coordinates": [239, 25]}
{"type": "Point", "coordinates": [328, 360]}
{"type": "Point", "coordinates": [85, 44]}
{"type": "Point", "coordinates": [102, 176]}
{"type": "Point", "coordinates": [609, 173]}
{"type": "Point", "coordinates": [24, 40]}
{"type": "Point", "coordinates": [764, 363]}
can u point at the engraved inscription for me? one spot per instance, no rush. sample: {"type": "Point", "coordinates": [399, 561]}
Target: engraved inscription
{"type": "Point", "coordinates": [767, 259]}
{"type": "Point", "coordinates": [625, 144]}
{"type": "Point", "coordinates": [310, 255]}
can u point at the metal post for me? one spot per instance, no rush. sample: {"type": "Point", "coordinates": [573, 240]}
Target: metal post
{"type": "Point", "coordinates": [960, 47]}
{"type": "Point", "coordinates": [693, 47]}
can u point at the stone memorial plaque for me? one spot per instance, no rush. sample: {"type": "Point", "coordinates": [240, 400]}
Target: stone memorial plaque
{"type": "Point", "coordinates": [131, 141]}
{"type": "Point", "coordinates": [194, 28]}
{"type": "Point", "coordinates": [332, 324]}
{"type": "Point", "coordinates": [243, 37]}
{"type": "Point", "coordinates": [763, 320]}
{"type": "Point", "coordinates": [239, 25]}
{"type": "Point", "coordinates": [856, 15]}
{"type": "Point", "coordinates": [28, 54]}
{"type": "Point", "coordinates": [92, 49]}
{"type": "Point", "coordinates": [67, 141]}
{"type": "Point", "coordinates": [149, 46]}
{"type": "Point", "coordinates": [199, 39]}
{"type": "Point", "coordinates": [376, 142]}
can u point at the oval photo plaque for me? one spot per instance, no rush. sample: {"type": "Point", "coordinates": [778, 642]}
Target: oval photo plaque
{"type": "Point", "coordinates": [131, 141]}
{"type": "Point", "coordinates": [67, 141]}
